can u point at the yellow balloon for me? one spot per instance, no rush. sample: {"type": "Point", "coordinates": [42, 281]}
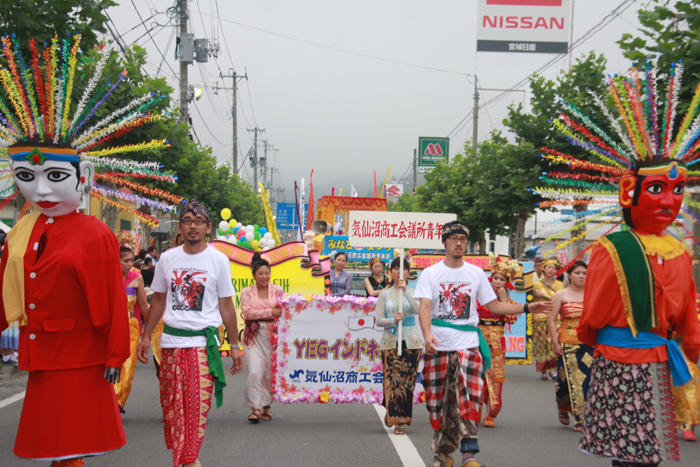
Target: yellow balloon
{"type": "Point", "coordinates": [255, 244]}
{"type": "Point", "coordinates": [225, 214]}
{"type": "Point", "coordinates": [232, 223]}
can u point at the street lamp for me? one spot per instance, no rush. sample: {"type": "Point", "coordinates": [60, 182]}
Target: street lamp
{"type": "Point", "coordinates": [194, 93]}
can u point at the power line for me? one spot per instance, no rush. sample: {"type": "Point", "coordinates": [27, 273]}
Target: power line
{"type": "Point", "coordinates": [207, 127]}
{"type": "Point", "coordinates": [486, 108]}
{"type": "Point", "coordinates": [250, 101]}
{"type": "Point", "coordinates": [172, 34]}
{"type": "Point", "coordinates": [359, 54]}
{"type": "Point", "coordinates": [154, 42]}
{"type": "Point", "coordinates": [228, 50]}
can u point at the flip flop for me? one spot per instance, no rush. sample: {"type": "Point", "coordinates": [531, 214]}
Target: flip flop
{"type": "Point", "coordinates": [564, 417]}
{"type": "Point", "coordinates": [254, 417]}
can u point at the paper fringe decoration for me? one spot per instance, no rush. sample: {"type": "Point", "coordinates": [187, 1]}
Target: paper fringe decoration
{"type": "Point", "coordinates": [157, 192]}
{"type": "Point", "coordinates": [132, 198]}
{"type": "Point", "coordinates": [148, 220]}
{"type": "Point", "coordinates": [40, 95]}
{"type": "Point", "coordinates": [643, 131]}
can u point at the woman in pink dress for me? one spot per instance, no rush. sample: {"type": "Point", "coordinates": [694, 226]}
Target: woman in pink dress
{"type": "Point", "coordinates": [259, 307]}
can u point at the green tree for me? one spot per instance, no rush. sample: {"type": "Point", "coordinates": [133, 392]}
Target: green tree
{"type": "Point", "coordinates": [671, 32]}
{"type": "Point", "coordinates": [533, 129]}
{"type": "Point", "coordinates": [198, 172]}
{"type": "Point", "coordinates": [196, 167]}
{"type": "Point", "coordinates": [40, 20]}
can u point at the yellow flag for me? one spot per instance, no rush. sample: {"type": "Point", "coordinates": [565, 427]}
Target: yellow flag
{"type": "Point", "coordinates": [271, 225]}
{"type": "Point", "coordinates": [386, 179]}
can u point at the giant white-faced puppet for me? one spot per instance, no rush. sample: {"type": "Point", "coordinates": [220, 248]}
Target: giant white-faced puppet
{"type": "Point", "coordinates": [58, 138]}
{"type": "Point", "coordinates": [636, 173]}
{"type": "Point", "coordinates": [53, 180]}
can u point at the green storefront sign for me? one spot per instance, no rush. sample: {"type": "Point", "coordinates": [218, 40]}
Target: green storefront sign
{"type": "Point", "coordinates": [431, 151]}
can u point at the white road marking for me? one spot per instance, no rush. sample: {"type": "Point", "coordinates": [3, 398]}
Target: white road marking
{"type": "Point", "coordinates": [404, 447]}
{"type": "Point", "coordinates": [10, 400]}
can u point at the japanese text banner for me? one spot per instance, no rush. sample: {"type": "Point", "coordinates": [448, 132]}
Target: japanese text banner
{"type": "Point", "coordinates": [328, 351]}
{"type": "Point", "coordinates": [397, 229]}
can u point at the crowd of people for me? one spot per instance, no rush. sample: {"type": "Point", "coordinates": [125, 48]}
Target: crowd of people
{"type": "Point", "coordinates": [456, 315]}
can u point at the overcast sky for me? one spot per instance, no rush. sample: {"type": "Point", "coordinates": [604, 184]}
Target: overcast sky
{"type": "Point", "coordinates": [343, 114]}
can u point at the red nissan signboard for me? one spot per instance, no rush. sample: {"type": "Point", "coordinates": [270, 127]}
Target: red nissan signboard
{"type": "Point", "coordinates": [529, 26]}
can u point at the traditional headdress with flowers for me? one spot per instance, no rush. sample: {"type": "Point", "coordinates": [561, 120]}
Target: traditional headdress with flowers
{"type": "Point", "coordinates": [509, 268]}
{"type": "Point", "coordinates": [39, 121]}
{"type": "Point", "coordinates": [642, 144]}
{"type": "Point", "coordinates": [552, 260]}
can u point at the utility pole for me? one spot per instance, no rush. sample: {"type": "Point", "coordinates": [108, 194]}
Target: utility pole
{"type": "Point", "coordinates": [183, 65]}
{"type": "Point", "coordinates": [234, 111]}
{"type": "Point", "coordinates": [415, 171]}
{"type": "Point", "coordinates": [265, 166]}
{"type": "Point", "coordinates": [475, 136]}
{"type": "Point", "coordinates": [255, 161]}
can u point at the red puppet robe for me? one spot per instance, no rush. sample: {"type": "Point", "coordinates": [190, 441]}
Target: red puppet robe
{"type": "Point", "coordinates": [75, 304]}
{"type": "Point", "coordinates": [675, 301]}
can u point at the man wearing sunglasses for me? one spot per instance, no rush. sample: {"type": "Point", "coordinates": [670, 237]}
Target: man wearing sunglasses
{"type": "Point", "coordinates": [193, 296]}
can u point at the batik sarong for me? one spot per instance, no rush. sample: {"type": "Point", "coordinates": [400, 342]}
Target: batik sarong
{"type": "Point", "coordinates": [496, 375]}
{"type": "Point", "coordinates": [687, 400]}
{"type": "Point", "coordinates": [573, 376]}
{"type": "Point", "coordinates": [399, 382]}
{"type": "Point", "coordinates": [542, 349]}
{"type": "Point", "coordinates": [186, 390]}
{"type": "Point", "coordinates": [629, 413]}
{"type": "Point", "coordinates": [258, 366]}
{"type": "Point", "coordinates": [123, 388]}
{"type": "Point", "coordinates": [454, 382]}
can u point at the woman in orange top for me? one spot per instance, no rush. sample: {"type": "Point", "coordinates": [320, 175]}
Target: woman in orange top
{"type": "Point", "coordinates": [573, 357]}
{"type": "Point", "coordinates": [544, 290]}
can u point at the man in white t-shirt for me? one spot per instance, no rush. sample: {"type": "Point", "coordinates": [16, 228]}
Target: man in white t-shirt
{"type": "Point", "coordinates": [193, 294]}
{"type": "Point", "coordinates": [457, 355]}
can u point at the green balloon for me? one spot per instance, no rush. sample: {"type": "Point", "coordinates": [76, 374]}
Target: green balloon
{"type": "Point", "coordinates": [219, 231]}
{"type": "Point", "coordinates": [245, 244]}
{"type": "Point", "coordinates": [258, 235]}
{"type": "Point", "coordinates": [229, 232]}
{"type": "Point", "coordinates": [256, 227]}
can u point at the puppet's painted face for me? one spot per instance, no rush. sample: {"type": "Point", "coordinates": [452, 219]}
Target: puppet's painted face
{"type": "Point", "coordinates": [54, 188]}
{"type": "Point", "coordinates": [660, 196]}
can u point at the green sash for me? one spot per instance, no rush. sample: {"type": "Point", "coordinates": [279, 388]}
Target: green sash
{"type": "Point", "coordinates": [216, 368]}
{"type": "Point", "coordinates": [635, 278]}
{"type": "Point", "coordinates": [483, 345]}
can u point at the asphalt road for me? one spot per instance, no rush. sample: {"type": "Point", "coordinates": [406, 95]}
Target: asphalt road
{"type": "Point", "coordinates": [300, 435]}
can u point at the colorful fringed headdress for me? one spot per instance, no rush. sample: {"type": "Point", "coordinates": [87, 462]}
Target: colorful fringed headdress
{"type": "Point", "coordinates": [39, 122]}
{"type": "Point", "coordinates": [642, 144]}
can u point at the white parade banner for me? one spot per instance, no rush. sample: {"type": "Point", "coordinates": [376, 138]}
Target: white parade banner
{"type": "Point", "coordinates": [397, 229]}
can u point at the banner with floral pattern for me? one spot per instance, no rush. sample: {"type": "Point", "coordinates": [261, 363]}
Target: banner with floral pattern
{"type": "Point", "coordinates": [328, 351]}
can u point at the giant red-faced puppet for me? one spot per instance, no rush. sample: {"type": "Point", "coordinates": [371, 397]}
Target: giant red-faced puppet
{"type": "Point", "coordinates": [652, 199]}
